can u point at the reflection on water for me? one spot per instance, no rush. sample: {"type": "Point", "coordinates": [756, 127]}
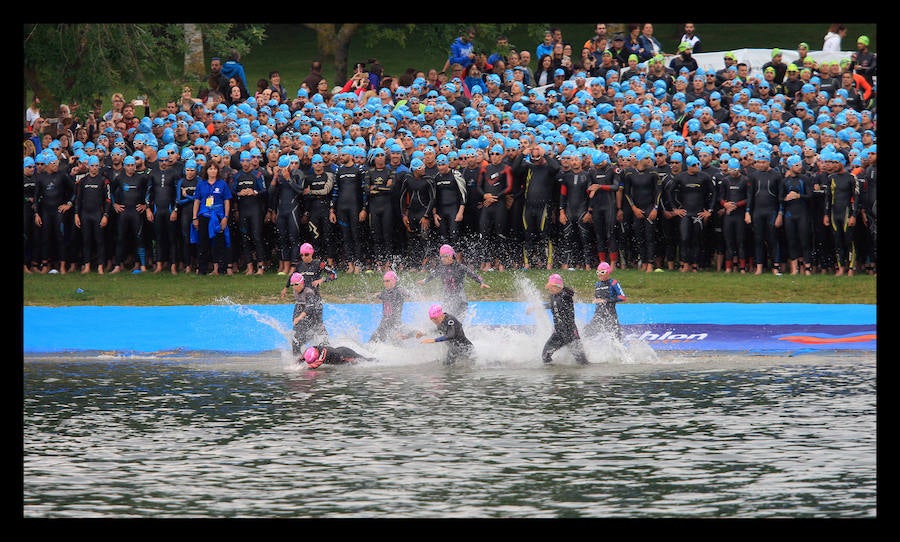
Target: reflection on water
{"type": "Point", "coordinates": [638, 435]}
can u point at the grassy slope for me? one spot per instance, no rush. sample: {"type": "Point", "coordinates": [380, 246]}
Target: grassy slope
{"type": "Point", "coordinates": [667, 287]}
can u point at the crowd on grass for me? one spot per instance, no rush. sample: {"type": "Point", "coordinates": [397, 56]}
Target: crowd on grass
{"type": "Point", "coordinates": [598, 150]}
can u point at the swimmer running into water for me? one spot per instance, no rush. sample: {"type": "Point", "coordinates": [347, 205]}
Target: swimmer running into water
{"type": "Point", "coordinates": [565, 332]}
{"type": "Point", "coordinates": [459, 347]}
{"type": "Point", "coordinates": [331, 355]}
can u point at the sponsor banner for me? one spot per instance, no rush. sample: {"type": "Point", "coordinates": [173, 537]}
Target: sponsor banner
{"type": "Point", "coordinates": [260, 328]}
{"type": "Point", "coordinates": [752, 337]}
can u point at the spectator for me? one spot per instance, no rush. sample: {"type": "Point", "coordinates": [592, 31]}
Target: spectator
{"type": "Point", "coordinates": [233, 68]}
{"type": "Point", "coordinates": [32, 112]}
{"type": "Point", "coordinates": [691, 37]}
{"type": "Point", "coordinates": [543, 74]}
{"type": "Point", "coordinates": [275, 84]}
{"type": "Point", "coordinates": [212, 207]}
{"type": "Point", "coordinates": [237, 92]}
{"type": "Point", "coordinates": [263, 92]}
{"type": "Point", "coordinates": [802, 53]}
{"type": "Point", "coordinates": [546, 46]}
{"type": "Point", "coordinates": [832, 41]}
{"type": "Point", "coordinates": [597, 43]}
{"type": "Point", "coordinates": [115, 113]}
{"type": "Point", "coordinates": [311, 81]}
{"type": "Point", "coordinates": [649, 43]}
{"type": "Point", "coordinates": [462, 50]}
{"type": "Point", "coordinates": [620, 54]}
{"type": "Point", "coordinates": [216, 80]}
{"type": "Point", "coordinates": [633, 43]}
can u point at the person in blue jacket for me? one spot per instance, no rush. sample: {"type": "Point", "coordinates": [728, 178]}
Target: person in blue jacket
{"type": "Point", "coordinates": [233, 68]}
{"type": "Point", "coordinates": [462, 50]}
{"type": "Point", "coordinates": [212, 206]}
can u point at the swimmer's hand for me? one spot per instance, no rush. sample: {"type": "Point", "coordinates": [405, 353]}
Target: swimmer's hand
{"type": "Point", "coordinates": [426, 340]}
{"type": "Point", "coordinates": [419, 334]}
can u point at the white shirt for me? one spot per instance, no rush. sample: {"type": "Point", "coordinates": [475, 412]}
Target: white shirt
{"type": "Point", "coordinates": [31, 114]}
{"type": "Point", "coordinates": [832, 43]}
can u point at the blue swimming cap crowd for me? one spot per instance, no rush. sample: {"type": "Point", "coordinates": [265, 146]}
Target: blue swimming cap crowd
{"type": "Point", "coordinates": [641, 161]}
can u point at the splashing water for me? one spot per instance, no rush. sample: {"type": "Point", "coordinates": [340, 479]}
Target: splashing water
{"type": "Point", "coordinates": [495, 345]}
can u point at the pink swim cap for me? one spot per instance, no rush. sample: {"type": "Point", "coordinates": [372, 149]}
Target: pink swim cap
{"type": "Point", "coordinates": [390, 275]}
{"type": "Point", "coordinates": [296, 278]}
{"type": "Point", "coordinates": [435, 311]}
{"type": "Point", "coordinates": [603, 267]}
{"type": "Point", "coordinates": [447, 250]}
{"type": "Point", "coordinates": [555, 280]}
{"type": "Point", "coordinates": [311, 357]}
{"type": "Point", "coordinates": [306, 248]}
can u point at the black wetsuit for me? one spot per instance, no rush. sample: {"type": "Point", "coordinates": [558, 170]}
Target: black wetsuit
{"type": "Point", "coordinates": [606, 318]}
{"type": "Point", "coordinates": [641, 190]}
{"type": "Point", "coordinates": [30, 235]}
{"type": "Point", "coordinates": [417, 202]}
{"type": "Point", "coordinates": [841, 191]}
{"type": "Point", "coordinates": [51, 191]}
{"type": "Point", "coordinates": [734, 189]}
{"type": "Point", "coordinates": [577, 234]}
{"type": "Point", "coordinates": [764, 206]}
{"type": "Point", "coordinates": [459, 347]}
{"type": "Point", "coordinates": [285, 199]}
{"type": "Point", "coordinates": [868, 190]}
{"type": "Point", "coordinates": [92, 203]}
{"type": "Point", "coordinates": [565, 331]}
{"type": "Point", "coordinates": [453, 277]}
{"type": "Point", "coordinates": [381, 212]}
{"type": "Point", "coordinates": [603, 211]}
{"type": "Point", "coordinates": [449, 196]}
{"type": "Point", "coordinates": [317, 205]}
{"type": "Point", "coordinates": [251, 211]}
{"type": "Point", "coordinates": [493, 223]}
{"type": "Point", "coordinates": [184, 199]}
{"type": "Point", "coordinates": [349, 197]}
{"type": "Point", "coordinates": [161, 202]}
{"type": "Point", "coordinates": [336, 355]}
{"type": "Point", "coordinates": [391, 325]}
{"type": "Point", "coordinates": [130, 191]}
{"type": "Point", "coordinates": [469, 228]}
{"type": "Point", "coordinates": [541, 195]}
{"type": "Point", "coordinates": [796, 217]}
{"type": "Point", "coordinates": [312, 272]}
{"type": "Point", "coordinates": [312, 326]}
{"type": "Point", "coordinates": [694, 193]}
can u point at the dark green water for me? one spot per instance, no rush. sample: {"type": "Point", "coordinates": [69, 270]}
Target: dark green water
{"type": "Point", "coordinates": [676, 436]}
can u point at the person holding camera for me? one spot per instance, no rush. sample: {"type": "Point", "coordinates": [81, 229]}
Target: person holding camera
{"type": "Point", "coordinates": [359, 83]}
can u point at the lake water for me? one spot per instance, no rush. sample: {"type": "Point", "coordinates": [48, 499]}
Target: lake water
{"type": "Point", "coordinates": [637, 434]}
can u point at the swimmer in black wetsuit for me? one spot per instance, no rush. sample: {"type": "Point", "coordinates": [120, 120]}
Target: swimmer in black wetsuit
{"type": "Point", "coordinates": [607, 292]}
{"type": "Point", "coordinates": [459, 346]}
{"type": "Point", "coordinates": [331, 355]}
{"type": "Point", "coordinates": [392, 298]}
{"type": "Point", "coordinates": [565, 332]}
{"type": "Point", "coordinates": [307, 319]}
{"type": "Point", "coordinates": [452, 275]}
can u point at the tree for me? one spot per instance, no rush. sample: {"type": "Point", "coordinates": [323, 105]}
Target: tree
{"type": "Point", "coordinates": [79, 62]}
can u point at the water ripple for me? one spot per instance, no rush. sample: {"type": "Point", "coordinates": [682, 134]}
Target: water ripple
{"type": "Point", "coordinates": [257, 438]}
